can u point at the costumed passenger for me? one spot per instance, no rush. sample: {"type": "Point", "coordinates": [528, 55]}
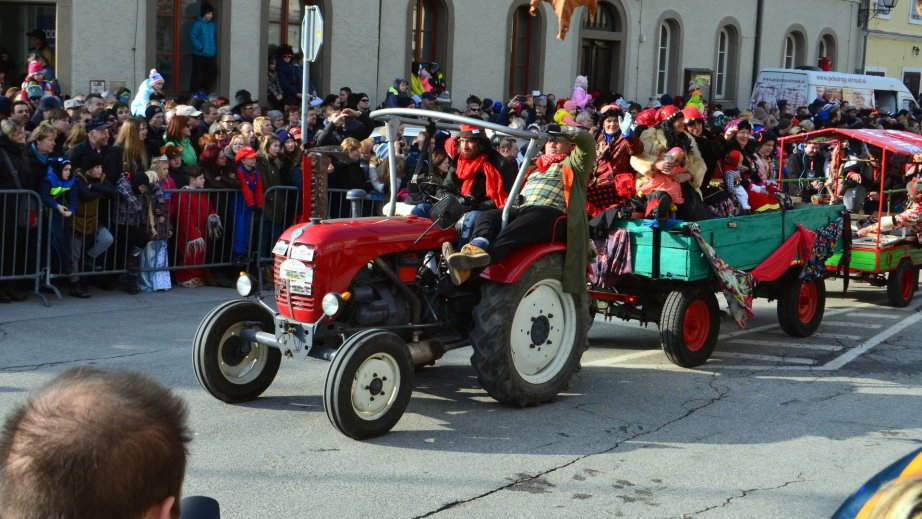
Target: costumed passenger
{"type": "Point", "coordinates": [670, 132]}
{"type": "Point", "coordinates": [910, 218]}
{"type": "Point", "coordinates": [553, 208]}
{"type": "Point", "coordinates": [566, 115]}
{"type": "Point", "coordinates": [612, 181]}
{"type": "Point", "coordinates": [581, 97]}
{"type": "Point", "coordinates": [662, 179]}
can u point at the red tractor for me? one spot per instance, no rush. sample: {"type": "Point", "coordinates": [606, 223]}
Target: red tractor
{"type": "Point", "coordinates": [372, 296]}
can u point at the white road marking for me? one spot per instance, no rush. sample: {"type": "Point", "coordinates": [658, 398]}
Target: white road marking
{"type": "Point", "coordinates": [782, 344]}
{"type": "Point", "coordinates": [612, 361]}
{"type": "Point", "coordinates": [874, 315]}
{"type": "Point", "coordinates": [767, 358]}
{"type": "Point", "coordinates": [824, 335]}
{"type": "Point", "coordinates": [852, 325]}
{"type": "Point", "coordinates": [854, 353]}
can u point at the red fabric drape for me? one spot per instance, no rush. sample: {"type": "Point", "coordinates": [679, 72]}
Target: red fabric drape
{"type": "Point", "coordinates": [773, 267]}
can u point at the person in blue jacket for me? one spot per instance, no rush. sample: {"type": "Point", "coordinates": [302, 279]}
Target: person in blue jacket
{"type": "Point", "coordinates": [58, 193]}
{"type": "Point", "coordinates": [204, 49]}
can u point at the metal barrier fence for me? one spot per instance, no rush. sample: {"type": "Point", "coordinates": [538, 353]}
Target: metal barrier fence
{"type": "Point", "coordinates": [21, 224]}
{"type": "Point", "coordinates": [101, 240]}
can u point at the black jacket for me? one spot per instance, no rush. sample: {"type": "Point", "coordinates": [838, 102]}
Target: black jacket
{"type": "Point", "coordinates": [111, 159]}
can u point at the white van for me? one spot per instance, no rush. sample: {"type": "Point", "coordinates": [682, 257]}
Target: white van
{"type": "Point", "coordinates": [801, 87]}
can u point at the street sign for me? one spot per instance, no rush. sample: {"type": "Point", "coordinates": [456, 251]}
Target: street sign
{"type": "Point", "coordinates": [311, 33]}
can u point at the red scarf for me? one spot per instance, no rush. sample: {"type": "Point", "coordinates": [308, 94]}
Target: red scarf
{"type": "Point", "coordinates": [467, 171]}
{"type": "Point", "coordinates": [546, 161]}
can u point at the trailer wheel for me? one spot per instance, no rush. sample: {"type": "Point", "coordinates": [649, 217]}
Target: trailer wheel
{"type": "Point", "coordinates": [368, 384]}
{"type": "Point", "coordinates": [529, 336]}
{"type": "Point", "coordinates": [689, 326]}
{"type": "Point", "coordinates": [801, 304]}
{"type": "Point", "coordinates": [902, 283]}
{"type": "Point", "coordinates": [228, 367]}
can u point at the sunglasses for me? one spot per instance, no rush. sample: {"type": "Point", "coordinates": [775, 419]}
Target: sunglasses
{"type": "Point", "coordinates": [229, 121]}
{"type": "Point", "coordinates": [221, 132]}
{"type": "Point", "coordinates": [473, 109]}
{"type": "Point", "coordinates": [363, 100]}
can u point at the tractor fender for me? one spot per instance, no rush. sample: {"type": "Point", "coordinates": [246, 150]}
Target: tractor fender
{"type": "Point", "coordinates": [510, 269]}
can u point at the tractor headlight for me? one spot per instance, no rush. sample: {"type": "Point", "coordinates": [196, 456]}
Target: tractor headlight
{"type": "Point", "coordinates": [333, 304]}
{"type": "Point", "coordinates": [246, 285]}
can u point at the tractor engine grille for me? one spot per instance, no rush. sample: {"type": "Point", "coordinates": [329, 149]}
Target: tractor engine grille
{"type": "Point", "coordinates": [282, 296]}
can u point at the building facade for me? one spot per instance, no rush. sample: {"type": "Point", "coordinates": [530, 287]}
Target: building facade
{"type": "Point", "coordinates": [492, 48]}
{"type": "Point", "coordinates": [894, 43]}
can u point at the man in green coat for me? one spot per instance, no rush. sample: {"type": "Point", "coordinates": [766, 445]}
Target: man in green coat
{"type": "Point", "coordinates": [552, 207]}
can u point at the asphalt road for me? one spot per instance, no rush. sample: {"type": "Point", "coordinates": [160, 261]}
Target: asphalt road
{"type": "Point", "coordinates": [770, 427]}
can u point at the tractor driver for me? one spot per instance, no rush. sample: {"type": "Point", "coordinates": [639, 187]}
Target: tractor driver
{"type": "Point", "coordinates": [553, 207]}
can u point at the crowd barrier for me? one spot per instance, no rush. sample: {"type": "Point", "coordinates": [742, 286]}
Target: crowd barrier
{"type": "Point", "coordinates": [44, 248]}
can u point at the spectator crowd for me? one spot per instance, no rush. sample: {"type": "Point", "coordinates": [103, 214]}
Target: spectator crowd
{"type": "Point", "coordinates": [118, 171]}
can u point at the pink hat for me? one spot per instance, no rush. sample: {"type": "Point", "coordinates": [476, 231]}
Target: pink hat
{"type": "Point", "coordinates": [36, 67]}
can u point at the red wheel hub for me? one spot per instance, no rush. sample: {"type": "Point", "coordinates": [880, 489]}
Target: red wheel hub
{"type": "Point", "coordinates": [908, 284]}
{"type": "Point", "coordinates": [806, 301]}
{"type": "Point", "coordinates": [697, 325]}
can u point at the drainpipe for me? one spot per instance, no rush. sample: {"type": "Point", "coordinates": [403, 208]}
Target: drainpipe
{"type": "Point", "coordinates": [757, 51]}
{"type": "Point", "coordinates": [866, 27]}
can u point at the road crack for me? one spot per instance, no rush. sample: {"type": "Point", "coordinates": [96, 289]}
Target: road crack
{"type": "Point", "coordinates": [33, 367]}
{"type": "Point", "coordinates": [744, 493]}
{"type": "Point", "coordinates": [721, 393]}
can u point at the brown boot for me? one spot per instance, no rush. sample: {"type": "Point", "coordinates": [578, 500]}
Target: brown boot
{"type": "Point", "coordinates": [457, 276]}
{"type": "Point", "coordinates": [461, 263]}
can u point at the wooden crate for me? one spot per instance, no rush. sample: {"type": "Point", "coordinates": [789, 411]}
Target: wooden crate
{"type": "Point", "coordinates": [743, 242]}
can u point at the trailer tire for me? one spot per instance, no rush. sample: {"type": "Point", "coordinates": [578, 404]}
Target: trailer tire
{"type": "Point", "coordinates": [902, 283]}
{"type": "Point", "coordinates": [371, 364]}
{"type": "Point", "coordinates": [801, 304]}
{"type": "Point", "coordinates": [228, 367]}
{"type": "Point", "coordinates": [689, 326]}
{"type": "Point", "coordinates": [512, 365]}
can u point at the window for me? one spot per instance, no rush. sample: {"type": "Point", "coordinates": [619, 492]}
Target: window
{"type": "Point", "coordinates": [880, 11]}
{"type": "Point", "coordinates": [790, 51]}
{"type": "Point", "coordinates": [827, 49]}
{"type": "Point", "coordinates": [915, 11]}
{"type": "Point", "coordinates": [285, 22]}
{"type": "Point", "coordinates": [794, 46]}
{"type": "Point", "coordinates": [425, 30]}
{"type": "Point", "coordinates": [174, 56]}
{"type": "Point", "coordinates": [723, 49]}
{"type": "Point", "coordinates": [662, 59]}
{"type": "Point", "coordinates": [524, 58]}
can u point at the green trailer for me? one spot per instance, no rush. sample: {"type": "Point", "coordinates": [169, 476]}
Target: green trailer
{"type": "Point", "coordinates": [674, 285]}
{"type": "Point", "coordinates": [887, 258]}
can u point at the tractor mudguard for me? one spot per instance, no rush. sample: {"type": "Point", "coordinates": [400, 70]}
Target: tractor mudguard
{"type": "Point", "coordinates": [511, 268]}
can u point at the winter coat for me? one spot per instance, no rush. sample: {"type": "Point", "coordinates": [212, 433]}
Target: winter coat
{"type": "Point", "coordinates": [54, 191]}
{"type": "Point", "coordinates": [94, 196]}
{"type": "Point", "coordinates": [194, 209]}
{"type": "Point", "coordinates": [19, 175]}
{"type": "Point", "coordinates": [274, 204]}
{"type": "Point", "coordinates": [111, 160]}
{"type": "Point", "coordinates": [290, 78]}
{"type": "Point", "coordinates": [202, 38]}
{"type": "Point", "coordinates": [655, 145]}
{"type": "Point", "coordinates": [139, 104]}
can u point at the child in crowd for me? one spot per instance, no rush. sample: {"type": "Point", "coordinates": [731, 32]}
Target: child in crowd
{"type": "Point", "coordinates": [58, 193]}
{"type": "Point", "coordinates": [35, 79]}
{"type": "Point", "coordinates": [91, 219]}
{"type": "Point", "coordinates": [197, 221]}
{"type": "Point", "coordinates": [670, 164]}
{"type": "Point", "coordinates": [729, 170]}
{"type": "Point", "coordinates": [251, 189]}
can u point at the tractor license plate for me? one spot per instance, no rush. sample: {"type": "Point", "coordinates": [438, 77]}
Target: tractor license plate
{"type": "Point", "coordinates": [300, 287]}
{"type": "Point", "coordinates": [293, 270]}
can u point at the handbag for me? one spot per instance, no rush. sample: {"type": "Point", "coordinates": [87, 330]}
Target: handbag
{"type": "Point", "coordinates": [27, 214]}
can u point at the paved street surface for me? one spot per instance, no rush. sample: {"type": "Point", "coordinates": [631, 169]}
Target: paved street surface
{"type": "Point", "coordinates": [770, 427]}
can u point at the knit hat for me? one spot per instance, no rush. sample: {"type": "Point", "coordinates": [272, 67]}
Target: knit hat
{"type": "Point", "coordinates": [206, 8]}
{"type": "Point", "coordinates": [283, 135]}
{"type": "Point", "coordinates": [733, 159]}
{"type": "Point", "coordinates": [90, 161]}
{"type": "Point", "coordinates": [49, 103]}
{"type": "Point", "coordinates": [36, 67]}
{"type": "Point", "coordinates": [295, 133]}
{"type": "Point", "coordinates": [139, 180]}
{"type": "Point", "coordinates": [416, 99]}
{"type": "Point", "coordinates": [34, 92]}
{"type": "Point", "coordinates": [246, 152]}
{"type": "Point", "coordinates": [56, 165]}
{"type": "Point", "coordinates": [155, 76]}
{"type": "Point", "coordinates": [151, 111]}
{"type": "Point", "coordinates": [382, 151]}
{"type": "Point", "coordinates": [275, 114]}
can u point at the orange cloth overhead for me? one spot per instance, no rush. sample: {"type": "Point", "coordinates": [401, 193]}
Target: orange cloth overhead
{"type": "Point", "coordinates": [564, 10]}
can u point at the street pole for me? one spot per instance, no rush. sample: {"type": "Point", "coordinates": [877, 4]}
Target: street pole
{"type": "Point", "coordinates": [307, 32]}
{"type": "Point", "coordinates": [866, 26]}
